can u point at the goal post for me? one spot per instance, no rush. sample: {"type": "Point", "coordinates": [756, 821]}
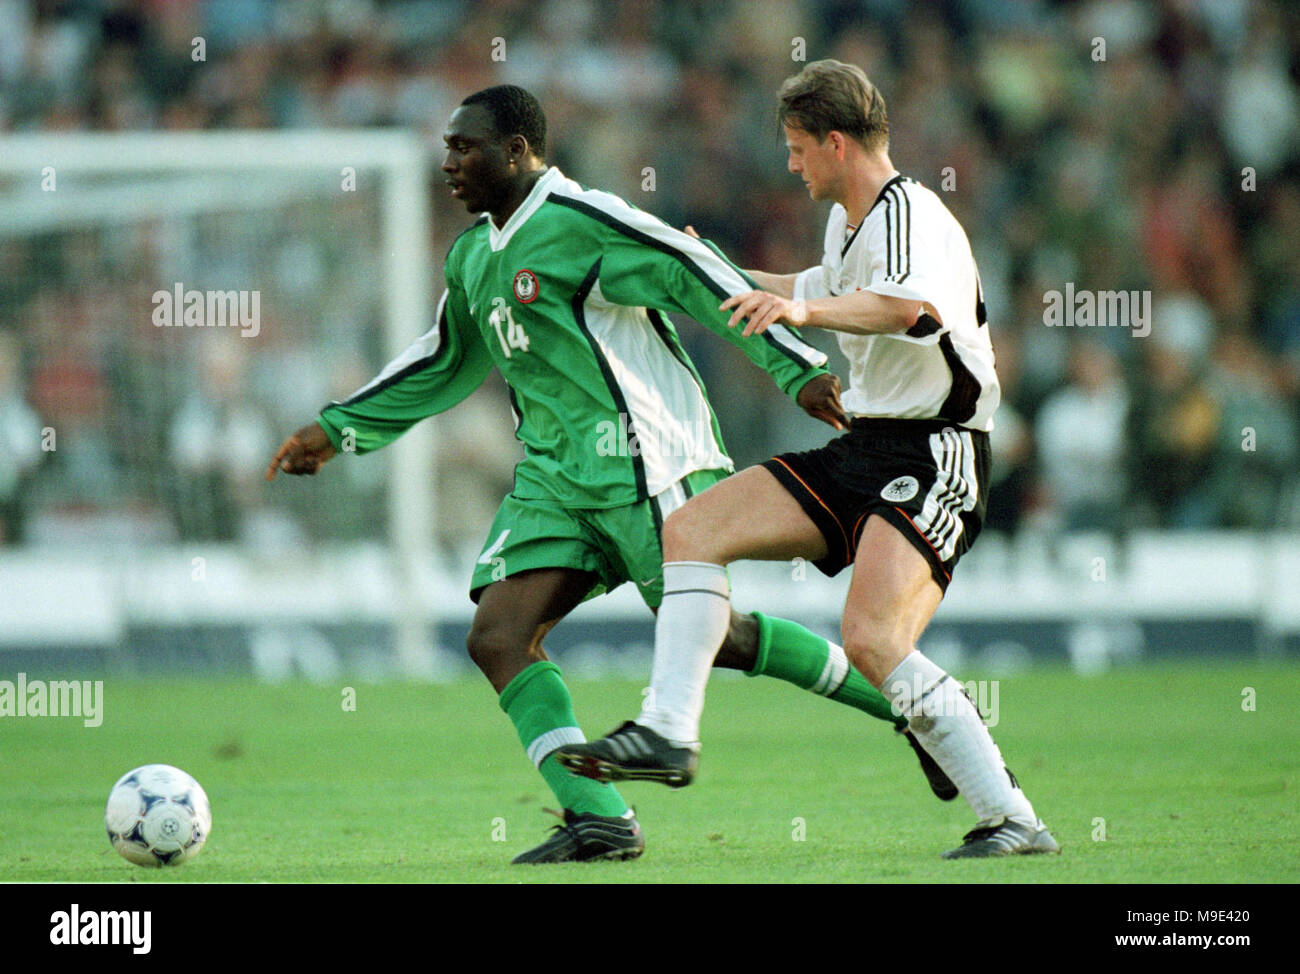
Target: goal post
{"type": "Point", "coordinates": [66, 183]}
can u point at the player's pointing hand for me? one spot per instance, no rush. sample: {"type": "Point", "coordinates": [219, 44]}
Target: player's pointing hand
{"type": "Point", "coordinates": [303, 452]}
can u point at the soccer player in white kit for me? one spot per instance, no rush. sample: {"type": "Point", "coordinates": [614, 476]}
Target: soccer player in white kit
{"type": "Point", "coordinates": [899, 497]}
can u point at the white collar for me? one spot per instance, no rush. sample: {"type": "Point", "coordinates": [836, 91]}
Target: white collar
{"type": "Point", "coordinates": [497, 239]}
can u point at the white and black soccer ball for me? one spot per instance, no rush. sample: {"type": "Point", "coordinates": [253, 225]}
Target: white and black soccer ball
{"type": "Point", "coordinates": [157, 816]}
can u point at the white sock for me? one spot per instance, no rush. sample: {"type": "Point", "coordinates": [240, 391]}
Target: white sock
{"type": "Point", "coordinates": [689, 630]}
{"type": "Point", "coordinates": [951, 731]}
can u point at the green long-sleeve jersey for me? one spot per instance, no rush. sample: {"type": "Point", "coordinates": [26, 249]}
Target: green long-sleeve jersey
{"type": "Point", "coordinates": [567, 300]}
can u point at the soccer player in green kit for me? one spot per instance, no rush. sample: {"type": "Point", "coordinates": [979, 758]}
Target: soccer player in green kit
{"type": "Point", "coordinates": [563, 290]}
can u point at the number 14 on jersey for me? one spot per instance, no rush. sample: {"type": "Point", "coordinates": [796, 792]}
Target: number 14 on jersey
{"type": "Point", "coordinates": [510, 332]}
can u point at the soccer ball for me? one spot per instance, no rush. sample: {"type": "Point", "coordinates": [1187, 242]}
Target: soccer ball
{"type": "Point", "coordinates": [157, 816]}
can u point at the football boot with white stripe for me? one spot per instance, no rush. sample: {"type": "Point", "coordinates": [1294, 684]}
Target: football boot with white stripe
{"type": "Point", "coordinates": [631, 753]}
{"type": "Point", "coordinates": [585, 837]}
{"type": "Point", "coordinates": [1004, 836]}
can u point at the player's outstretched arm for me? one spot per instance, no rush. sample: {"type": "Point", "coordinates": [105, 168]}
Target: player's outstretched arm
{"type": "Point", "coordinates": [858, 313]}
{"type": "Point", "coordinates": [302, 453]}
{"type": "Point", "coordinates": [437, 371]}
{"type": "Point", "coordinates": [685, 274]}
{"type": "Point", "coordinates": [779, 284]}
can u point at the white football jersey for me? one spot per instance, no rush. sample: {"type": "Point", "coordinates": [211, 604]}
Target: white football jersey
{"type": "Point", "coordinates": [910, 246]}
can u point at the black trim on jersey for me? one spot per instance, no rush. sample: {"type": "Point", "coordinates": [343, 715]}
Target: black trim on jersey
{"type": "Point", "coordinates": [906, 233]}
{"type": "Point", "coordinates": [419, 365]}
{"type": "Point", "coordinates": [965, 392]}
{"type": "Point", "coordinates": [927, 324]}
{"type": "Point", "coordinates": [674, 348]}
{"type": "Point", "coordinates": [891, 181]}
{"type": "Point", "coordinates": [677, 352]}
{"type": "Point", "coordinates": [514, 407]}
{"type": "Point", "coordinates": [892, 229]}
{"type": "Point", "coordinates": [789, 353]}
{"type": "Point", "coordinates": [852, 237]}
{"type": "Point", "coordinates": [600, 216]}
{"type": "Point", "coordinates": [579, 299]}
{"type": "Point", "coordinates": [614, 223]}
{"type": "Point", "coordinates": [898, 236]}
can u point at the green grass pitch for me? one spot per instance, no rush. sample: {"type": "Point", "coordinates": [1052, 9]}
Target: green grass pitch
{"type": "Point", "coordinates": [1153, 774]}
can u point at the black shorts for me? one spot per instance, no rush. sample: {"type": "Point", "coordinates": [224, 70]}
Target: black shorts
{"type": "Point", "coordinates": [926, 477]}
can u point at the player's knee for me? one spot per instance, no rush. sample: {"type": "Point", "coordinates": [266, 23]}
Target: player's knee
{"type": "Point", "coordinates": [875, 649]}
{"type": "Point", "coordinates": [676, 536]}
{"type": "Point", "coordinates": [490, 646]}
{"type": "Point", "coordinates": [686, 535]}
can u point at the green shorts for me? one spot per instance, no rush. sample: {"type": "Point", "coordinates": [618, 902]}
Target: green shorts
{"type": "Point", "coordinates": [617, 544]}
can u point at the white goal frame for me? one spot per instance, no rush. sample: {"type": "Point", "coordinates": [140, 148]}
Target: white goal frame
{"type": "Point", "coordinates": [177, 160]}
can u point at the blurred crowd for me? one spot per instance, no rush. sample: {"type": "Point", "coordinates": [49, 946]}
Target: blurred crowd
{"type": "Point", "coordinates": [1109, 145]}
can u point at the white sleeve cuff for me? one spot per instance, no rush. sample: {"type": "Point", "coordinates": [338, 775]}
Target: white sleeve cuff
{"type": "Point", "coordinates": [927, 330]}
{"type": "Point", "coordinates": [811, 284]}
{"type": "Point", "coordinates": [889, 289]}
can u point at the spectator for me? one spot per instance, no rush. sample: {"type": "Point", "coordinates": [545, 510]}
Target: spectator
{"type": "Point", "coordinates": [1169, 165]}
{"type": "Point", "coordinates": [1080, 434]}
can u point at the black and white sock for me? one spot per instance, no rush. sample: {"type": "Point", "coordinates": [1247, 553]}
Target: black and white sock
{"type": "Point", "coordinates": [951, 731]}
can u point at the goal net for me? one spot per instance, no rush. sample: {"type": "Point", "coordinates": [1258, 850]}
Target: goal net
{"type": "Point", "coordinates": [171, 306]}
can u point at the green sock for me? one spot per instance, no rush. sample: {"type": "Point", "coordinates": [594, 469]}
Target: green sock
{"type": "Point", "coordinates": [790, 652]}
{"type": "Point", "coordinates": [538, 704]}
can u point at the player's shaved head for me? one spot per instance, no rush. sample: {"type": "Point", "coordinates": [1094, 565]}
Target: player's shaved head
{"type": "Point", "coordinates": [514, 111]}
{"type": "Point", "coordinates": [831, 96]}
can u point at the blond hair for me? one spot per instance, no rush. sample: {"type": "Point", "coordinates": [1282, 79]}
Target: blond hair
{"type": "Point", "coordinates": [831, 96]}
